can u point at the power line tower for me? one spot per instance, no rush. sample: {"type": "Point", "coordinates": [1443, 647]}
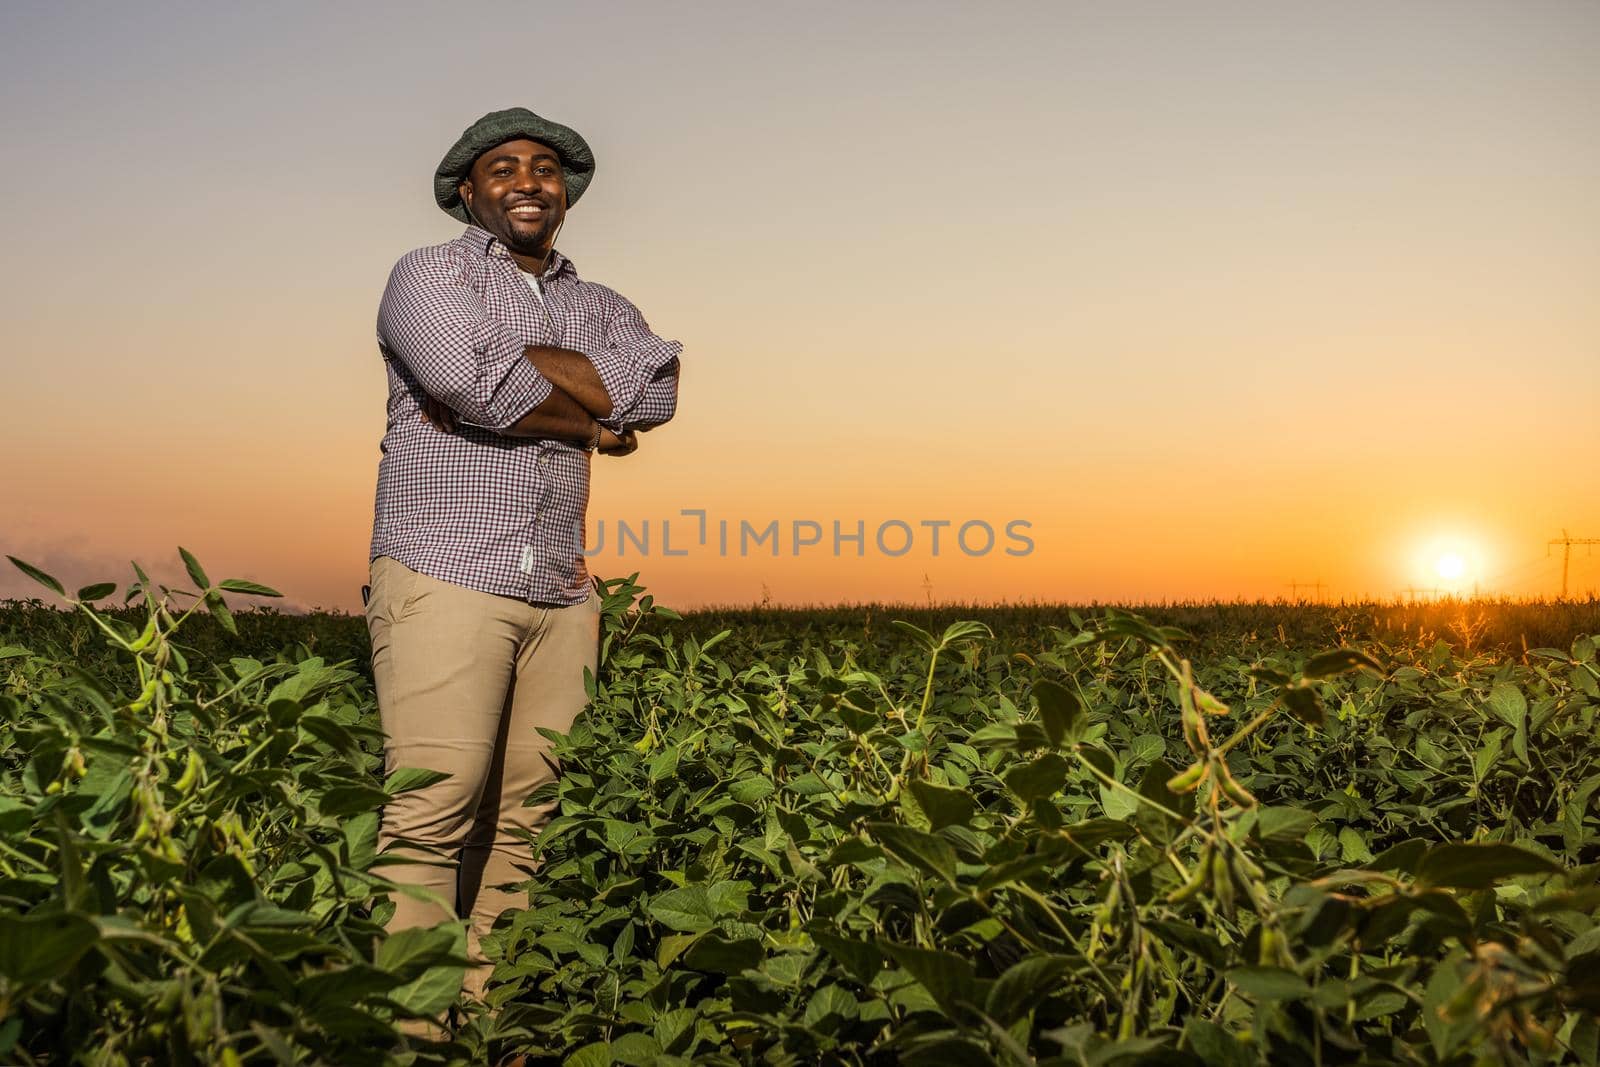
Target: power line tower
{"type": "Point", "coordinates": [927, 588]}
{"type": "Point", "coordinates": [1566, 544]}
{"type": "Point", "coordinates": [1295, 587]}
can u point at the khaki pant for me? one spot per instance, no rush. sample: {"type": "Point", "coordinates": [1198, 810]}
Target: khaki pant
{"type": "Point", "coordinates": [464, 680]}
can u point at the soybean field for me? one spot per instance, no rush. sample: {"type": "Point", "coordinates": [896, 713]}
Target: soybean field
{"type": "Point", "coordinates": [1202, 834]}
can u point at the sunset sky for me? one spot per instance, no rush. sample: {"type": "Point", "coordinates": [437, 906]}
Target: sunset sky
{"type": "Point", "coordinates": [1213, 296]}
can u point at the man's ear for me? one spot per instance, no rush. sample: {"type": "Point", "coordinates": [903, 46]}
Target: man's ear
{"type": "Point", "coordinates": [464, 190]}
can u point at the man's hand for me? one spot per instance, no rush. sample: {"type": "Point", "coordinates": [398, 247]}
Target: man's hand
{"type": "Point", "coordinates": [444, 420]}
{"type": "Point", "coordinates": [612, 445]}
{"type": "Point", "coordinates": [440, 416]}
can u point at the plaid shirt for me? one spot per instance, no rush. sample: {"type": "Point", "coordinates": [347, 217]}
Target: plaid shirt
{"type": "Point", "coordinates": [500, 514]}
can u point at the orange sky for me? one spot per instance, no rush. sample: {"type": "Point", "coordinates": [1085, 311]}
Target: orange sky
{"type": "Point", "coordinates": [1215, 297]}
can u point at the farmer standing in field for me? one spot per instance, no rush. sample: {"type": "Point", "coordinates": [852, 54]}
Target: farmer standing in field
{"type": "Point", "coordinates": [506, 372]}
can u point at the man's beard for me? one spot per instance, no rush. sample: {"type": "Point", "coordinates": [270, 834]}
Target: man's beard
{"type": "Point", "coordinates": [529, 242]}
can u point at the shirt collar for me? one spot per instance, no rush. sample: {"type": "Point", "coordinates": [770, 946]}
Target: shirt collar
{"type": "Point", "coordinates": [488, 245]}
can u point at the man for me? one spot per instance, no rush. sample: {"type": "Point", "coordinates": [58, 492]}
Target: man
{"type": "Point", "coordinates": [506, 373]}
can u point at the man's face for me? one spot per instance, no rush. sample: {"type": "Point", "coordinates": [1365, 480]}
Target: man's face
{"type": "Point", "coordinates": [516, 191]}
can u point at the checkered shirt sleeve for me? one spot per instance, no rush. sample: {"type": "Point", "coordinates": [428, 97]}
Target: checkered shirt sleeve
{"type": "Point", "coordinates": [638, 369]}
{"type": "Point", "coordinates": [432, 321]}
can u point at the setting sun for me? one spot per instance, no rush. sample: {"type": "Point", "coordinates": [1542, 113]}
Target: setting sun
{"type": "Point", "coordinates": [1449, 559]}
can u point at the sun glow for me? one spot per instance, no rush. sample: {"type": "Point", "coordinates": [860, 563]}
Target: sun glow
{"type": "Point", "coordinates": [1448, 563]}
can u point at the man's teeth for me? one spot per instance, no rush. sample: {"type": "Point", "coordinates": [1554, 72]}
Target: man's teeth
{"type": "Point", "coordinates": [532, 209]}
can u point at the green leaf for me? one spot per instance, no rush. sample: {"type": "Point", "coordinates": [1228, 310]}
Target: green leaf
{"type": "Point", "coordinates": [672, 946]}
{"type": "Point", "coordinates": [635, 1050]}
{"type": "Point", "coordinates": [924, 851]}
{"type": "Point", "coordinates": [1578, 900]}
{"type": "Point", "coordinates": [417, 948]}
{"type": "Point", "coordinates": [1270, 675]}
{"type": "Point", "coordinates": [1191, 939]}
{"type": "Point", "coordinates": [1117, 804]}
{"type": "Point", "coordinates": [673, 1027]}
{"type": "Point", "coordinates": [1147, 747]}
{"type": "Point", "coordinates": [1060, 712]}
{"type": "Point", "coordinates": [853, 850]}
{"type": "Point", "coordinates": [728, 898]}
{"type": "Point", "coordinates": [1160, 826]}
{"type": "Point", "coordinates": [916, 633]}
{"type": "Point", "coordinates": [98, 591]}
{"type": "Point", "coordinates": [1304, 704]}
{"type": "Point", "coordinates": [1338, 661]}
{"type": "Point", "coordinates": [196, 572]}
{"type": "Point", "coordinates": [1446, 1029]}
{"type": "Point", "coordinates": [1037, 779]}
{"type": "Point", "coordinates": [857, 720]}
{"type": "Point", "coordinates": [1025, 984]}
{"type": "Point", "coordinates": [1100, 760]}
{"type": "Point", "coordinates": [1484, 759]}
{"type": "Point", "coordinates": [751, 790]}
{"type": "Point", "coordinates": [830, 1006]}
{"type": "Point", "coordinates": [1214, 1046]}
{"type": "Point", "coordinates": [942, 805]}
{"type": "Point", "coordinates": [333, 734]}
{"type": "Point", "coordinates": [1507, 701]}
{"type": "Point", "coordinates": [1129, 625]}
{"type": "Point", "coordinates": [353, 799]}
{"type": "Point", "coordinates": [438, 958]}
{"type": "Point", "coordinates": [38, 948]}
{"type": "Point", "coordinates": [1447, 907]}
{"type": "Point", "coordinates": [219, 611]}
{"type": "Point", "coordinates": [1403, 856]}
{"type": "Point", "coordinates": [861, 960]}
{"type": "Point", "coordinates": [1284, 823]}
{"type": "Point", "coordinates": [961, 631]}
{"type": "Point", "coordinates": [360, 835]}
{"type": "Point", "coordinates": [1269, 983]}
{"type": "Point", "coordinates": [948, 978]}
{"type": "Point", "coordinates": [1353, 846]}
{"type": "Point", "coordinates": [1092, 832]}
{"type": "Point", "coordinates": [720, 955]}
{"type": "Point", "coordinates": [240, 585]}
{"type": "Point", "coordinates": [687, 909]}
{"type": "Point", "coordinates": [408, 779]}
{"type": "Point", "coordinates": [284, 712]}
{"type": "Point", "coordinates": [1479, 866]}
{"type": "Point", "coordinates": [807, 785]}
{"type": "Point", "coordinates": [37, 575]}
{"type": "Point", "coordinates": [595, 1055]}
{"type": "Point", "coordinates": [911, 812]}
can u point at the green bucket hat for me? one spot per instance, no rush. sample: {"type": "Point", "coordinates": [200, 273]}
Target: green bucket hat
{"type": "Point", "coordinates": [498, 127]}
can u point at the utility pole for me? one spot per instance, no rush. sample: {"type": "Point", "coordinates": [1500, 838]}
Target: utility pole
{"type": "Point", "coordinates": [1566, 544]}
{"type": "Point", "coordinates": [927, 588]}
{"type": "Point", "coordinates": [1295, 587]}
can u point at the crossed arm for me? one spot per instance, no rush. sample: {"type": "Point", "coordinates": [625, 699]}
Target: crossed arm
{"type": "Point", "coordinates": [571, 412]}
{"type": "Point", "coordinates": [476, 370]}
